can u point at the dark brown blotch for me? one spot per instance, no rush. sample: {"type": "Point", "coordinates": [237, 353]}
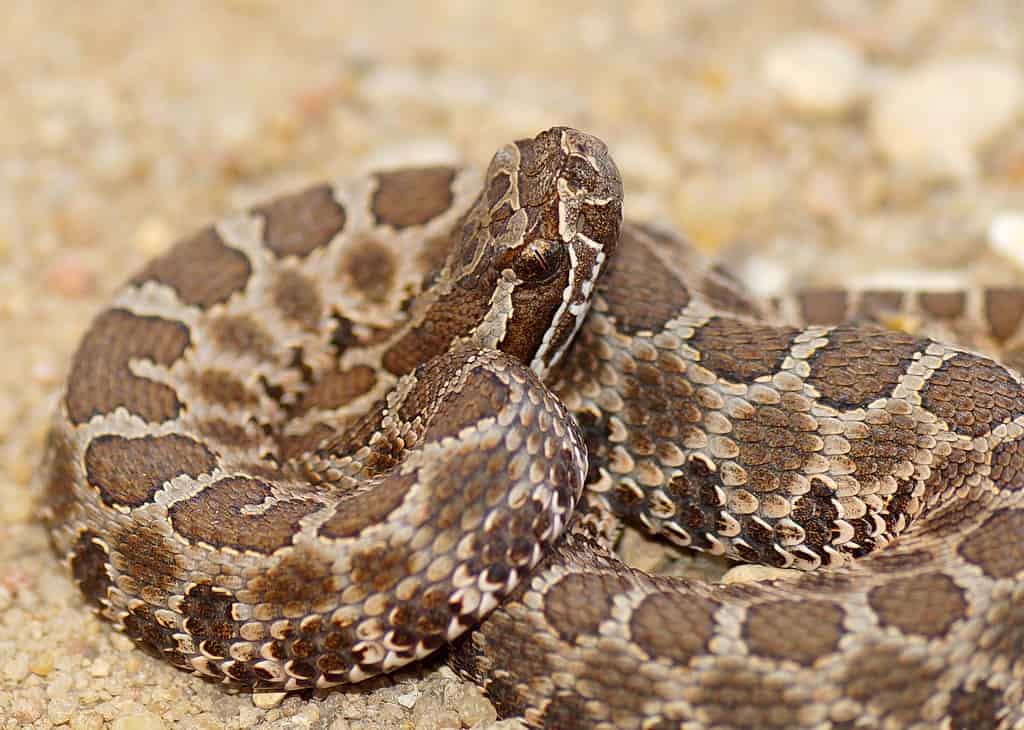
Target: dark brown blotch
{"type": "Point", "coordinates": [798, 631]}
{"type": "Point", "coordinates": [215, 516]}
{"type": "Point", "coordinates": [223, 388]}
{"type": "Point", "coordinates": [337, 389]}
{"type": "Point", "coordinates": [101, 378]}
{"type": "Point", "coordinates": [943, 305]}
{"type": "Point", "coordinates": [202, 270]}
{"type": "Point", "coordinates": [241, 335]}
{"type": "Point", "coordinates": [298, 224]}
{"type": "Point", "coordinates": [997, 545]}
{"type": "Point", "coordinates": [860, 365]}
{"type": "Point", "coordinates": [90, 568]}
{"type": "Point", "coordinates": [1004, 310]}
{"type": "Point", "coordinates": [129, 471]}
{"type": "Point", "coordinates": [972, 394]}
{"type": "Point", "coordinates": [740, 351]}
{"type": "Point", "coordinates": [926, 605]}
{"type": "Point", "coordinates": [824, 306]}
{"type": "Point", "coordinates": [297, 298]}
{"type": "Point", "coordinates": [357, 512]}
{"type": "Point", "coordinates": [580, 602]}
{"type": "Point", "coordinates": [369, 268]}
{"type": "Point", "coordinates": [413, 196]}
{"type": "Point", "coordinates": [664, 626]}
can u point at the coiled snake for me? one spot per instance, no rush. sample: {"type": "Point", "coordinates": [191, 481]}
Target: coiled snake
{"type": "Point", "coordinates": [313, 442]}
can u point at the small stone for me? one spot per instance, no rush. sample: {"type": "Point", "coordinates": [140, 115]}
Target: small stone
{"type": "Point", "coordinates": [59, 687]}
{"type": "Point", "coordinates": [816, 74]}
{"type": "Point", "coordinates": [935, 118]}
{"type": "Point", "coordinates": [825, 195]}
{"type": "Point", "coordinates": [141, 721]}
{"type": "Point", "coordinates": [408, 699]}
{"type": "Point", "coordinates": [83, 721]}
{"type": "Point", "coordinates": [1006, 237]}
{"type": "Point", "coordinates": [430, 712]}
{"type": "Point", "coordinates": [100, 668]}
{"type": "Point", "coordinates": [28, 706]}
{"type": "Point", "coordinates": [755, 573]}
{"type": "Point", "coordinates": [17, 668]}
{"type": "Point", "coordinates": [267, 700]}
{"type": "Point", "coordinates": [41, 664]}
{"type": "Point", "coordinates": [59, 711]}
{"type": "Point", "coordinates": [640, 551]}
{"type": "Point", "coordinates": [152, 236]}
{"type": "Point", "coordinates": [69, 277]}
{"type": "Point", "coordinates": [121, 642]}
{"type": "Point", "coordinates": [474, 709]}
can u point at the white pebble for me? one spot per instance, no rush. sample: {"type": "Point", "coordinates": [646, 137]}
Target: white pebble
{"type": "Point", "coordinates": [1006, 237]}
{"type": "Point", "coordinates": [935, 118]}
{"type": "Point", "coordinates": [143, 721]}
{"type": "Point", "coordinates": [408, 699]}
{"type": "Point", "coordinates": [268, 700]}
{"type": "Point", "coordinates": [756, 573]}
{"type": "Point", "coordinates": [817, 74]}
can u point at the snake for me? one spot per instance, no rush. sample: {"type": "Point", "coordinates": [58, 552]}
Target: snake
{"type": "Point", "coordinates": [406, 411]}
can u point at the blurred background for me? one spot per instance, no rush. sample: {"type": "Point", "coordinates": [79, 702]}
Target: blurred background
{"type": "Point", "coordinates": [839, 141]}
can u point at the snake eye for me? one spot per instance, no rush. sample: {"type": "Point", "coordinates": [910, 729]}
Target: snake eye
{"type": "Point", "coordinates": [538, 261]}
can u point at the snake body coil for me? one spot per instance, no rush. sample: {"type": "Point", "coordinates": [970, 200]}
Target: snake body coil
{"type": "Point", "coordinates": [326, 436]}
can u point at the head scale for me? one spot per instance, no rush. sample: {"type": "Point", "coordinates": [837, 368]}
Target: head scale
{"type": "Point", "coordinates": [536, 242]}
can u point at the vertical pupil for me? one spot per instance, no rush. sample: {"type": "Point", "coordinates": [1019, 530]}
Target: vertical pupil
{"type": "Point", "coordinates": [537, 260]}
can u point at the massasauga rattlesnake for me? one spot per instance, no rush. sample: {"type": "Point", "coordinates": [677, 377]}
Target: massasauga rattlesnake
{"type": "Point", "coordinates": [313, 442]}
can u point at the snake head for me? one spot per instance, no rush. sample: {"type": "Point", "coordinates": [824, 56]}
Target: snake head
{"type": "Point", "coordinates": [536, 241]}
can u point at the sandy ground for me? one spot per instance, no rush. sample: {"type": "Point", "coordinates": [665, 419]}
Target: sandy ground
{"type": "Point", "coordinates": [768, 131]}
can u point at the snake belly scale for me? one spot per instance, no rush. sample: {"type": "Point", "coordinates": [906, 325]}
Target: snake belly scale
{"type": "Point", "coordinates": [329, 435]}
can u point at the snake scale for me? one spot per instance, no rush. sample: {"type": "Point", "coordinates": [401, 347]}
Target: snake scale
{"type": "Point", "coordinates": [328, 435]}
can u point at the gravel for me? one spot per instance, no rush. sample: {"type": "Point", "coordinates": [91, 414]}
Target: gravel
{"type": "Point", "coordinates": [776, 134]}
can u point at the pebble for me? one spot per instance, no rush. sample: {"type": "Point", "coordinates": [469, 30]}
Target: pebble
{"type": "Point", "coordinates": [816, 74]}
{"type": "Point", "coordinates": [754, 573]}
{"type": "Point", "coordinates": [431, 712]}
{"type": "Point", "coordinates": [1006, 237]}
{"type": "Point", "coordinates": [642, 552]}
{"type": "Point", "coordinates": [83, 721]}
{"type": "Point", "coordinates": [59, 711]}
{"type": "Point", "coordinates": [919, 124]}
{"type": "Point", "coordinates": [42, 664]}
{"type": "Point", "coordinates": [474, 708]}
{"type": "Point", "coordinates": [100, 668]}
{"type": "Point", "coordinates": [267, 700]}
{"type": "Point", "coordinates": [17, 668]}
{"type": "Point", "coordinates": [69, 277]}
{"type": "Point", "coordinates": [141, 721]}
